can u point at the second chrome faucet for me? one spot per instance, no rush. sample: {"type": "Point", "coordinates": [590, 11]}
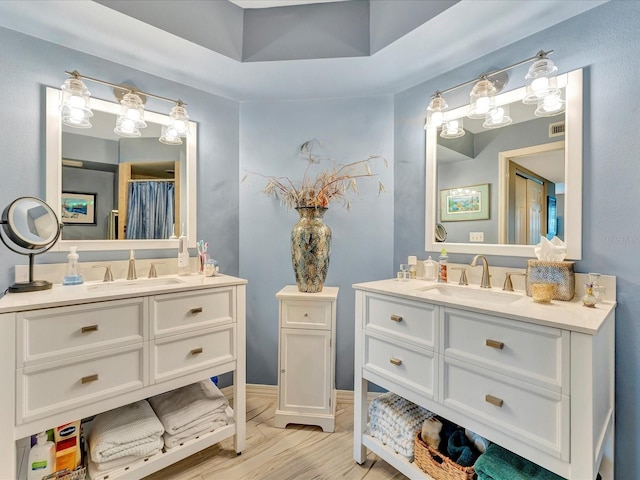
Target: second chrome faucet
{"type": "Point", "coordinates": [486, 277]}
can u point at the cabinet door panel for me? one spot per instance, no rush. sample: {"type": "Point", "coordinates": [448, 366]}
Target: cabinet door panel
{"type": "Point", "coordinates": [305, 374]}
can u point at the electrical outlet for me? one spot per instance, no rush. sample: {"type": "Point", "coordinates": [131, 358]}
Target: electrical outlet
{"type": "Point", "coordinates": [476, 236]}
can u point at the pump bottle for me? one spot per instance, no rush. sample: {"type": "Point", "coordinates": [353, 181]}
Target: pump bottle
{"type": "Point", "coordinates": [42, 458]}
{"type": "Point", "coordinates": [183, 255]}
{"type": "Point", "coordinates": [72, 276]}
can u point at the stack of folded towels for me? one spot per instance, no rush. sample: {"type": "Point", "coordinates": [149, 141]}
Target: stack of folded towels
{"type": "Point", "coordinates": [500, 464]}
{"type": "Point", "coordinates": [122, 436]}
{"type": "Point", "coordinates": [394, 421]}
{"type": "Point", "coordinates": [190, 411]}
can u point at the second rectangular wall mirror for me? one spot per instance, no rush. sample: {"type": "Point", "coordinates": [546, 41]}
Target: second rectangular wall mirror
{"type": "Point", "coordinates": [533, 154]}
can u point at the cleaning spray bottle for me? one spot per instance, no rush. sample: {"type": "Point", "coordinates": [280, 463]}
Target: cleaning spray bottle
{"type": "Point", "coordinates": [442, 266]}
{"type": "Point", "coordinates": [72, 277]}
{"type": "Point", "coordinates": [42, 458]}
{"type": "Point", "coordinates": [183, 254]}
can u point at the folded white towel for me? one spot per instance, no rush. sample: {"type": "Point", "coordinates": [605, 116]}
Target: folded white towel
{"type": "Point", "coordinates": [185, 408]}
{"type": "Point", "coordinates": [171, 441]}
{"type": "Point", "coordinates": [121, 462]}
{"type": "Point", "coordinates": [129, 430]}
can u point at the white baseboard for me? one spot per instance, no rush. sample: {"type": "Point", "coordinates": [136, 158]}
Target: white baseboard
{"type": "Point", "coordinates": [255, 389]}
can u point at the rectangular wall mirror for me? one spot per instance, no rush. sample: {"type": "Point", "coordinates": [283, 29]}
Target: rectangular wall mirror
{"type": "Point", "coordinates": [497, 191]}
{"type": "Point", "coordinates": [97, 181]}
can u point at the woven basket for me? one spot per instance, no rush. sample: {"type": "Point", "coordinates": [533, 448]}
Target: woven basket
{"type": "Point", "coordinates": [439, 466]}
{"type": "Point", "coordinates": [79, 473]}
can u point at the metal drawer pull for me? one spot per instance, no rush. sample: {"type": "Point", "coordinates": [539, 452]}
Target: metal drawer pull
{"type": "Point", "coordinates": [493, 400]}
{"type": "Point", "coordinates": [494, 344]}
{"type": "Point", "coordinates": [196, 351]}
{"type": "Point", "coordinates": [193, 311]}
{"type": "Point", "coordinates": [396, 318]}
{"type": "Point", "coordinates": [395, 361]}
{"type": "Point", "coordinates": [90, 328]}
{"type": "Point", "coordinates": [89, 379]}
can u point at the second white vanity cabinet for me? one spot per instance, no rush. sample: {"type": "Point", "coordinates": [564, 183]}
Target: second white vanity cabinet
{"type": "Point", "coordinates": [536, 379]}
{"type": "Point", "coordinates": [306, 366]}
{"type": "Point", "coordinates": [87, 349]}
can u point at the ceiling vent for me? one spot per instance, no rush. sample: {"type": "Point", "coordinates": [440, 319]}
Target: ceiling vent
{"type": "Point", "coordinates": [556, 129]}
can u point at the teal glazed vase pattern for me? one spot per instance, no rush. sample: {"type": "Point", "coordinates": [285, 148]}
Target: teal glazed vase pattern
{"type": "Point", "coordinates": [310, 249]}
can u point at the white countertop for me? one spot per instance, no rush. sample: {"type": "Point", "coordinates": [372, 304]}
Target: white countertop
{"type": "Point", "coordinates": [97, 291]}
{"type": "Point", "coordinates": [517, 305]}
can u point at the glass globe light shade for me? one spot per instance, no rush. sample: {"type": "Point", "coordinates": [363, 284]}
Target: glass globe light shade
{"type": "Point", "coordinates": [435, 112]}
{"type": "Point", "coordinates": [452, 129]}
{"type": "Point", "coordinates": [74, 106]}
{"type": "Point", "coordinates": [498, 117]}
{"type": "Point", "coordinates": [550, 106]}
{"type": "Point", "coordinates": [132, 108]}
{"type": "Point", "coordinates": [179, 120]}
{"type": "Point", "coordinates": [541, 81]}
{"type": "Point", "coordinates": [170, 136]}
{"type": "Point", "coordinates": [125, 127]}
{"type": "Point", "coordinates": [482, 99]}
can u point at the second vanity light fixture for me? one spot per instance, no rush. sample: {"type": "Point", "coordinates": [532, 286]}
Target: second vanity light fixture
{"type": "Point", "coordinates": [541, 89]}
{"type": "Point", "coordinates": [76, 112]}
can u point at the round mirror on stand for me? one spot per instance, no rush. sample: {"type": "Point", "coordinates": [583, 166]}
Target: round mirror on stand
{"type": "Point", "coordinates": [30, 224]}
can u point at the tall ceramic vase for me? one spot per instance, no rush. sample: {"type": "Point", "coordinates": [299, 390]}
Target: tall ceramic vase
{"type": "Point", "coordinates": [310, 249]}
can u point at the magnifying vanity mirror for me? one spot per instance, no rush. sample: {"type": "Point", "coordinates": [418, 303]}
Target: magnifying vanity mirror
{"type": "Point", "coordinates": [497, 191]}
{"type": "Point", "coordinates": [97, 181]}
{"type": "Point", "coordinates": [30, 224]}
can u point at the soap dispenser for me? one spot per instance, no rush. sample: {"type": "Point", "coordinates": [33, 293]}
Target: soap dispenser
{"type": "Point", "coordinates": [430, 269]}
{"type": "Point", "coordinates": [72, 276]}
{"type": "Point", "coordinates": [183, 255]}
{"type": "Point", "coordinates": [42, 458]}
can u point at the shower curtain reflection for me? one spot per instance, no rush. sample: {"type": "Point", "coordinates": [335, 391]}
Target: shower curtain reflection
{"type": "Point", "coordinates": [150, 212]}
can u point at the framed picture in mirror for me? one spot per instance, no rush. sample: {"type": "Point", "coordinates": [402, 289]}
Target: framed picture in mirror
{"type": "Point", "coordinates": [78, 208]}
{"type": "Point", "coordinates": [464, 203]}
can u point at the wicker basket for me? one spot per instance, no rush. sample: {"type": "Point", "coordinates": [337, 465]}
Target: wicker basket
{"type": "Point", "coordinates": [79, 473]}
{"type": "Point", "coordinates": [439, 466]}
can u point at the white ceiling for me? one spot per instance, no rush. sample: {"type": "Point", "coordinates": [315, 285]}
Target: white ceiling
{"type": "Point", "coordinates": [479, 26]}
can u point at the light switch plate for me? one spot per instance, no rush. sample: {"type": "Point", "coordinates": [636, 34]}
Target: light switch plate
{"type": "Point", "coordinates": [476, 236]}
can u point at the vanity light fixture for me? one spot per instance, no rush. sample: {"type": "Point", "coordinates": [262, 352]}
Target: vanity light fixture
{"type": "Point", "coordinates": [76, 110]}
{"type": "Point", "coordinates": [541, 87]}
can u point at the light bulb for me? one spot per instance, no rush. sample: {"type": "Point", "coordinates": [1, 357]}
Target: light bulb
{"type": "Point", "coordinates": [133, 114]}
{"type": "Point", "coordinates": [497, 114]}
{"type": "Point", "coordinates": [180, 126]}
{"type": "Point", "coordinates": [540, 84]}
{"type": "Point", "coordinates": [437, 118]}
{"type": "Point", "coordinates": [482, 105]}
{"type": "Point", "coordinates": [76, 101]}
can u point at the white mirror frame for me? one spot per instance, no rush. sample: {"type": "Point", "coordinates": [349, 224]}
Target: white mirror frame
{"type": "Point", "coordinates": [572, 174]}
{"type": "Point", "coordinates": [54, 178]}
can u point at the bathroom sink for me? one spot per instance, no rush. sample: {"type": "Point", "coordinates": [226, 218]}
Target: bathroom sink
{"type": "Point", "coordinates": [133, 284]}
{"type": "Point", "coordinates": [486, 295]}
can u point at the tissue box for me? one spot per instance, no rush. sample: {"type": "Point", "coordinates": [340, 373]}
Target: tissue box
{"type": "Point", "coordinates": [559, 273]}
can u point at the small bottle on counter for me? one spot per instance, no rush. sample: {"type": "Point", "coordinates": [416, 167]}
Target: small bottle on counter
{"type": "Point", "coordinates": [442, 266]}
{"type": "Point", "coordinates": [413, 265]}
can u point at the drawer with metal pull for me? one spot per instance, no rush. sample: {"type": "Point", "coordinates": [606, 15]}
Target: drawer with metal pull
{"type": "Point", "coordinates": [406, 320]}
{"type": "Point", "coordinates": [400, 363]}
{"type": "Point", "coordinates": [179, 355]}
{"type": "Point", "coordinates": [177, 313]}
{"type": "Point", "coordinates": [63, 385]}
{"type": "Point", "coordinates": [303, 314]}
{"type": "Point", "coordinates": [534, 353]}
{"type": "Point", "coordinates": [63, 332]}
{"type": "Point", "coordinates": [531, 414]}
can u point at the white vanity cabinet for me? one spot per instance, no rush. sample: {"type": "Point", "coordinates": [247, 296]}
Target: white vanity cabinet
{"type": "Point", "coordinates": [72, 352]}
{"type": "Point", "coordinates": [306, 365]}
{"type": "Point", "coordinates": [536, 379]}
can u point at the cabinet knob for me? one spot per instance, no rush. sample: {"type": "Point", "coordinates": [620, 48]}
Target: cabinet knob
{"type": "Point", "coordinates": [90, 328]}
{"type": "Point", "coordinates": [193, 311]}
{"type": "Point", "coordinates": [89, 378]}
{"type": "Point", "coordinates": [196, 351]}
{"type": "Point", "coordinates": [396, 318]}
{"type": "Point", "coordinates": [306, 315]}
{"type": "Point", "coordinates": [493, 400]}
{"type": "Point", "coordinates": [494, 344]}
{"type": "Point", "coordinates": [395, 361]}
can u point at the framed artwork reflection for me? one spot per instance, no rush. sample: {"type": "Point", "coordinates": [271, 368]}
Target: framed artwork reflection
{"type": "Point", "coordinates": [464, 203]}
{"type": "Point", "coordinates": [78, 208]}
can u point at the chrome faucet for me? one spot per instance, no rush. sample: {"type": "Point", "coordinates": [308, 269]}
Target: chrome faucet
{"type": "Point", "coordinates": [131, 274]}
{"type": "Point", "coordinates": [486, 278]}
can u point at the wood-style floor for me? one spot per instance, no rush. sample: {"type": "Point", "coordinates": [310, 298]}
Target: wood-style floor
{"type": "Point", "coordinates": [295, 453]}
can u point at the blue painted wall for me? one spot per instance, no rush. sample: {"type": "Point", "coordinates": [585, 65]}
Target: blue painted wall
{"type": "Point", "coordinates": [271, 132]}
{"type": "Point", "coordinates": [606, 43]}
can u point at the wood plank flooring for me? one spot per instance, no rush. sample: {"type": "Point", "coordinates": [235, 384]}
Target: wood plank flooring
{"type": "Point", "coordinates": [298, 452]}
